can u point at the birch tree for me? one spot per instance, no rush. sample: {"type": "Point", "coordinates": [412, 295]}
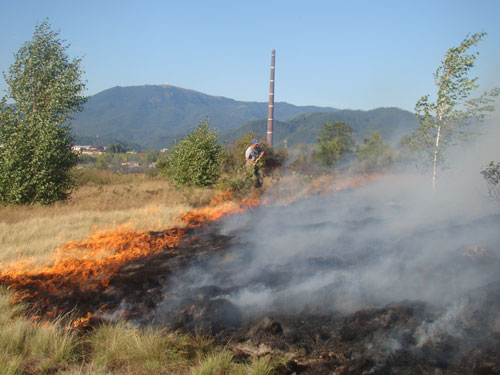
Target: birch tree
{"type": "Point", "coordinates": [441, 121]}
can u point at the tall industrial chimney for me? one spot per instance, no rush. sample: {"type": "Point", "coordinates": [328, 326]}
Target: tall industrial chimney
{"type": "Point", "coordinates": [270, 113]}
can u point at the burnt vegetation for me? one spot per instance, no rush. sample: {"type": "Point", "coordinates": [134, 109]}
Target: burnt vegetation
{"type": "Point", "coordinates": [195, 286]}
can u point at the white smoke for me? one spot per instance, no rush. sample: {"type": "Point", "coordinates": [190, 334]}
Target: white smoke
{"type": "Point", "coordinates": [386, 242]}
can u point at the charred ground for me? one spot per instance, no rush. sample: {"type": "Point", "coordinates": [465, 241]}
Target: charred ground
{"type": "Point", "coordinates": [405, 337]}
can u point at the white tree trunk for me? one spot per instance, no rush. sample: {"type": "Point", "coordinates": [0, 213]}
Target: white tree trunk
{"type": "Point", "coordinates": [435, 160]}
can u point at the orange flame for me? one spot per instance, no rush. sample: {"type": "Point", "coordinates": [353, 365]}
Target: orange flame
{"type": "Point", "coordinates": [91, 263]}
{"type": "Point", "coordinates": [217, 210]}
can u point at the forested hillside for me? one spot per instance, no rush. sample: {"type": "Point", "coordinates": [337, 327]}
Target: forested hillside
{"type": "Point", "coordinates": [155, 115]}
{"type": "Point", "coordinates": [392, 123]}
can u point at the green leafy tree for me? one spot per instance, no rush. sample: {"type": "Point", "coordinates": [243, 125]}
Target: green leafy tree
{"type": "Point", "coordinates": [441, 120]}
{"type": "Point", "coordinates": [195, 160]}
{"type": "Point", "coordinates": [373, 154]}
{"type": "Point", "coordinates": [335, 143]}
{"type": "Point", "coordinates": [151, 156]}
{"type": "Point", "coordinates": [45, 88]}
{"type": "Point", "coordinates": [116, 148]}
{"type": "Point", "coordinates": [234, 153]}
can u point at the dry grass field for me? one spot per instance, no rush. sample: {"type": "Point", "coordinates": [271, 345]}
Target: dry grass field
{"type": "Point", "coordinates": [103, 201]}
{"type": "Point", "coordinates": [135, 201]}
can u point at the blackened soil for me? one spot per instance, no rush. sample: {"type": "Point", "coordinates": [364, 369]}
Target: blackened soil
{"type": "Point", "coordinates": [403, 338]}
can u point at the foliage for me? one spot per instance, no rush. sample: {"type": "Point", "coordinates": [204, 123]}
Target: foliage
{"type": "Point", "coordinates": [234, 156]}
{"type": "Point", "coordinates": [116, 148]}
{"type": "Point", "coordinates": [236, 177]}
{"type": "Point", "coordinates": [335, 142]}
{"type": "Point", "coordinates": [492, 176]}
{"type": "Point", "coordinates": [441, 120]}
{"type": "Point", "coordinates": [195, 160]}
{"type": "Point", "coordinates": [46, 87]}
{"type": "Point", "coordinates": [373, 154]}
{"type": "Point", "coordinates": [167, 111]}
{"type": "Point", "coordinates": [392, 123]}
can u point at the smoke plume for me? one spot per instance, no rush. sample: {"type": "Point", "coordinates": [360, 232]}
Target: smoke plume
{"type": "Point", "coordinates": [385, 243]}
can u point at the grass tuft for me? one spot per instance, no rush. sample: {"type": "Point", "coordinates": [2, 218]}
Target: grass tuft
{"type": "Point", "coordinates": [142, 350]}
{"type": "Point", "coordinates": [260, 366]}
{"type": "Point", "coordinates": [218, 363]}
{"type": "Point", "coordinates": [44, 346]}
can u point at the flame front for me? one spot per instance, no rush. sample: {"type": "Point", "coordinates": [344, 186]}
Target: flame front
{"type": "Point", "coordinates": [90, 264]}
{"type": "Point", "coordinates": [86, 264]}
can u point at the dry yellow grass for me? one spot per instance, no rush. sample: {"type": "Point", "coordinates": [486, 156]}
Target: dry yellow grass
{"type": "Point", "coordinates": [105, 202]}
{"type": "Point", "coordinates": [139, 202]}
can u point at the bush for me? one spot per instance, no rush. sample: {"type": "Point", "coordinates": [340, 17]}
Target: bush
{"type": "Point", "coordinates": [334, 144]}
{"type": "Point", "coordinates": [236, 178]}
{"type": "Point", "coordinates": [195, 160]}
{"type": "Point", "coordinates": [373, 154]}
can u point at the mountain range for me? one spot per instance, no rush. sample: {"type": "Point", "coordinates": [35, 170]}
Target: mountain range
{"type": "Point", "coordinates": [153, 116]}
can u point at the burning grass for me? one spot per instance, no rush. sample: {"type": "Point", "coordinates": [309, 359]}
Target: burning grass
{"type": "Point", "coordinates": [89, 265]}
{"type": "Point", "coordinates": [139, 203]}
{"type": "Point", "coordinates": [131, 268]}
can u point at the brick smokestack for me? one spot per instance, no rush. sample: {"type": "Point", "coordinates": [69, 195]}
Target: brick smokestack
{"type": "Point", "coordinates": [270, 113]}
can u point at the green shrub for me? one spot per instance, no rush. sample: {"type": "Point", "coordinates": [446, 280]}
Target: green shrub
{"type": "Point", "coordinates": [373, 154]}
{"type": "Point", "coordinates": [236, 177]}
{"type": "Point", "coordinates": [195, 160]}
{"type": "Point", "coordinates": [335, 143]}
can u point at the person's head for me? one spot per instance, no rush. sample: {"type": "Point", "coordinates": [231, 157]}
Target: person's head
{"type": "Point", "coordinates": [255, 143]}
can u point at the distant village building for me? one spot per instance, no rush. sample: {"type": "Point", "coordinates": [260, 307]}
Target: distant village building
{"type": "Point", "coordinates": [130, 164]}
{"type": "Point", "coordinates": [89, 150]}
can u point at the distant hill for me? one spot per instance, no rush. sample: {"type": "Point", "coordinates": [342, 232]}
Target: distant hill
{"type": "Point", "coordinates": [392, 123]}
{"type": "Point", "coordinates": [154, 115]}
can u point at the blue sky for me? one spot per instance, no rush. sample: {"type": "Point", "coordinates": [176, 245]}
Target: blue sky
{"type": "Point", "coordinates": [343, 54]}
